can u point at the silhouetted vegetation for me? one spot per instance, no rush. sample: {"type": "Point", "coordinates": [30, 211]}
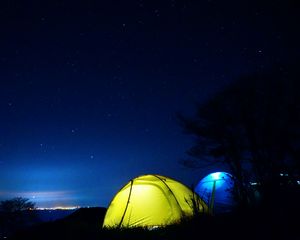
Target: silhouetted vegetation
{"type": "Point", "coordinates": [16, 214]}
{"type": "Point", "coordinates": [85, 224]}
{"type": "Point", "coordinates": [15, 205]}
{"type": "Point", "coordinates": [253, 126]}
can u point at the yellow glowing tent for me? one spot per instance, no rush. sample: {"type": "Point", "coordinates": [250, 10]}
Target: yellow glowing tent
{"type": "Point", "coordinates": [150, 201]}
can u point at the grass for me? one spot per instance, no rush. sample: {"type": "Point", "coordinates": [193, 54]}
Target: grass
{"type": "Point", "coordinates": [275, 218]}
{"type": "Point", "coordinates": [250, 225]}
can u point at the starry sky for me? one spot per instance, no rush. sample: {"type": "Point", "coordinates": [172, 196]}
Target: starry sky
{"type": "Point", "coordinates": [89, 90]}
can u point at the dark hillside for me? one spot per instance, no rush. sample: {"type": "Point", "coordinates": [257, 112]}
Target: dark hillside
{"type": "Point", "coordinates": [84, 223]}
{"type": "Point", "coordinates": [273, 219]}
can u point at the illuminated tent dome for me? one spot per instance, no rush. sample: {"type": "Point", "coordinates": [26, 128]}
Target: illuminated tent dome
{"type": "Point", "coordinates": [151, 201]}
{"type": "Point", "coordinates": [216, 190]}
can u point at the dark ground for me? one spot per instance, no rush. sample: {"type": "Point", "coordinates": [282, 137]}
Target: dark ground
{"type": "Point", "coordinates": [276, 218]}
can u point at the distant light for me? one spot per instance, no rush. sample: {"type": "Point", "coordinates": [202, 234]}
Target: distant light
{"type": "Point", "coordinates": [298, 182]}
{"type": "Point", "coordinates": [253, 183]}
{"type": "Point", "coordinates": [59, 208]}
{"type": "Point", "coordinates": [284, 174]}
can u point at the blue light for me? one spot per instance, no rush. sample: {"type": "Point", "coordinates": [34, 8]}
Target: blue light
{"type": "Point", "coordinates": [217, 187]}
{"type": "Point", "coordinates": [216, 175]}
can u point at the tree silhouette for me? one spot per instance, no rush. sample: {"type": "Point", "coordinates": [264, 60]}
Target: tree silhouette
{"type": "Point", "coordinates": [17, 204]}
{"type": "Point", "coordinates": [253, 126]}
{"type": "Point", "coordinates": [14, 215]}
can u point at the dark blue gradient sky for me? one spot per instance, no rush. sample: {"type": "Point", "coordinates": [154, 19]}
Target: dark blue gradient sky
{"type": "Point", "coordinates": [89, 90]}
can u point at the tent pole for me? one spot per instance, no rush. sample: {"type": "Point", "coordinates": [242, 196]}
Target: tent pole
{"type": "Point", "coordinates": [211, 204]}
{"type": "Point", "coordinates": [128, 200]}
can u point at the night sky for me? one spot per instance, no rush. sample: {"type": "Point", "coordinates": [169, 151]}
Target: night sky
{"type": "Point", "coordinates": [89, 91]}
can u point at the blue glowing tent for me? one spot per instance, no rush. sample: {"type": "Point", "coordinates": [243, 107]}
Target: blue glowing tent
{"type": "Point", "coordinates": [216, 190]}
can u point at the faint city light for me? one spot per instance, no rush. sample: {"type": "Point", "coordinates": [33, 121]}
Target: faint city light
{"type": "Point", "coordinates": [253, 183]}
{"type": "Point", "coordinates": [298, 182]}
{"type": "Point", "coordinates": [59, 208]}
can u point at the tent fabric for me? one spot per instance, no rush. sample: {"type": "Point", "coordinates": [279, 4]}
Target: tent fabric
{"type": "Point", "coordinates": [216, 190]}
{"type": "Point", "coordinates": [151, 200]}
